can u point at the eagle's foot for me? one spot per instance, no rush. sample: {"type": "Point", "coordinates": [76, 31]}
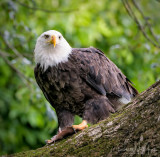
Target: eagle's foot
{"type": "Point", "coordinates": [52, 140]}
{"type": "Point", "coordinates": [81, 126]}
{"type": "Point", "coordinates": [66, 132]}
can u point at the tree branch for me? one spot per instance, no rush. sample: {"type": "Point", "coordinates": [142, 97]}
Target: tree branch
{"type": "Point", "coordinates": [146, 21]}
{"type": "Point", "coordinates": [140, 26]}
{"type": "Point", "coordinates": [134, 130]}
{"type": "Point", "coordinates": [20, 74]}
{"type": "Point", "coordinates": [45, 10]}
{"type": "Point", "coordinates": [15, 51]}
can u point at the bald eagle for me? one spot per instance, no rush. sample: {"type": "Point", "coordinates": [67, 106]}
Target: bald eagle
{"type": "Point", "coordinates": [79, 81]}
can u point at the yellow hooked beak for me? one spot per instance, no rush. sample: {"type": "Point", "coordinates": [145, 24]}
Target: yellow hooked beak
{"type": "Point", "coordinates": [53, 40]}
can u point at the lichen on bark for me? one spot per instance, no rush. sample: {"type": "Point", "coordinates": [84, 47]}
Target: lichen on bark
{"type": "Point", "coordinates": [133, 130]}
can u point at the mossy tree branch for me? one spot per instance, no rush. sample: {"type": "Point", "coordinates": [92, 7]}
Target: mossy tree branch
{"type": "Point", "coordinates": [134, 130]}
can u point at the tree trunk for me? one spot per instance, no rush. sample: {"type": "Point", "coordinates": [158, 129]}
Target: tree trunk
{"type": "Point", "coordinates": [134, 130]}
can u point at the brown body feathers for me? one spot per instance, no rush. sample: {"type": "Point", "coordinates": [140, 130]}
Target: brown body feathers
{"type": "Point", "coordinates": [88, 85]}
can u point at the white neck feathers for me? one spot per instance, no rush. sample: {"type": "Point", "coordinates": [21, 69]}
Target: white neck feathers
{"type": "Point", "coordinates": [50, 56]}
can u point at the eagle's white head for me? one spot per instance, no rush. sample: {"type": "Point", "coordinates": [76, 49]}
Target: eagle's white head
{"type": "Point", "coordinates": [51, 49]}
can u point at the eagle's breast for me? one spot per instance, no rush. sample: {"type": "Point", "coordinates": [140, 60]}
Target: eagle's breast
{"type": "Point", "coordinates": [63, 85]}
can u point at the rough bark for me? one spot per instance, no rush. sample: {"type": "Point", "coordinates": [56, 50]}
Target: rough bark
{"type": "Point", "coordinates": [133, 131]}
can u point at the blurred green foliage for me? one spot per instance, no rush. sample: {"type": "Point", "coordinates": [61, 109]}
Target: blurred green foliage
{"type": "Point", "coordinates": [26, 118]}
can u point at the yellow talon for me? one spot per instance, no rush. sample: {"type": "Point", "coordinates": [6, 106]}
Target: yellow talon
{"type": "Point", "coordinates": [81, 126]}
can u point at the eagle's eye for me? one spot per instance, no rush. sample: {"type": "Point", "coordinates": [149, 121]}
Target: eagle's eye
{"type": "Point", "coordinates": [46, 36]}
{"type": "Point", "coordinates": [60, 37]}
